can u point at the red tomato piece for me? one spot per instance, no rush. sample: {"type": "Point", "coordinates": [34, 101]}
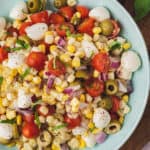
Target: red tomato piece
{"type": "Point", "coordinates": [67, 12]}
{"type": "Point", "coordinates": [72, 122]}
{"type": "Point", "coordinates": [28, 118]}
{"type": "Point", "coordinates": [36, 60]}
{"type": "Point", "coordinates": [23, 27]}
{"type": "Point", "coordinates": [13, 32]}
{"type": "Point", "coordinates": [50, 110]}
{"type": "Point", "coordinates": [101, 62]}
{"type": "Point", "coordinates": [84, 11]}
{"type": "Point", "coordinates": [3, 54]}
{"type": "Point", "coordinates": [94, 87]}
{"type": "Point", "coordinates": [56, 68]}
{"type": "Point", "coordinates": [40, 17]}
{"type": "Point", "coordinates": [56, 18]}
{"type": "Point", "coordinates": [114, 116]}
{"type": "Point", "coordinates": [30, 130]}
{"type": "Point", "coordinates": [116, 29]}
{"type": "Point", "coordinates": [116, 103]}
{"type": "Point", "coordinates": [63, 28]}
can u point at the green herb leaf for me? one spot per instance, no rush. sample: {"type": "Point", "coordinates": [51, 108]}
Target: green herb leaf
{"type": "Point", "coordinates": [36, 103]}
{"type": "Point", "coordinates": [27, 71]}
{"type": "Point", "coordinates": [1, 80]}
{"type": "Point", "coordinates": [59, 126]}
{"type": "Point", "coordinates": [37, 120]}
{"type": "Point", "coordinates": [12, 121]}
{"type": "Point", "coordinates": [114, 45]}
{"type": "Point", "coordinates": [16, 48]}
{"type": "Point", "coordinates": [142, 8]}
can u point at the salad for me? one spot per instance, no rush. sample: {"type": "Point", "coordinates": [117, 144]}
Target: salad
{"type": "Point", "coordinates": [65, 76]}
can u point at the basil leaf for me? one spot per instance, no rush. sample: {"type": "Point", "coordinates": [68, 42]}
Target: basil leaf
{"type": "Point", "coordinates": [27, 71]}
{"type": "Point", "coordinates": [142, 8]}
{"type": "Point", "coordinates": [8, 121]}
{"type": "Point", "coordinates": [59, 126]}
{"type": "Point", "coordinates": [1, 80]}
{"type": "Point", "coordinates": [22, 44]}
{"type": "Point", "coordinates": [114, 45]}
{"type": "Point", "coordinates": [16, 48]}
{"type": "Point", "coordinates": [37, 120]}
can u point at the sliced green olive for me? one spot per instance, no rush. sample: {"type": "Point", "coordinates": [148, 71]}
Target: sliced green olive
{"type": "Point", "coordinates": [107, 27]}
{"type": "Point", "coordinates": [111, 87]}
{"type": "Point", "coordinates": [33, 5]}
{"type": "Point", "coordinates": [113, 127]}
{"type": "Point", "coordinates": [60, 3]}
{"type": "Point", "coordinates": [106, 103]}
{"type": "Point", "coordinates": [4, 141]}
{"type": "Point", "coordinates": [75, 20]}
{"type": "Point", "coordinates": [15, 131]}
{"type": "Point", "coordinates": [25, 39]}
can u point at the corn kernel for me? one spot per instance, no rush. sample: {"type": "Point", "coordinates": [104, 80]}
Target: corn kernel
{"type": "Point", "coordinates": [80, 54]}
{"type": "Point", "coordinates": [78, 14]}
{"type": "Point", "coordinates": [37, 80]}
{"type": "Point", "coordinates": [19, 119]}
{"type": "Point", "coordinates": [82, 98]}
{"type": "Point", "coordinates": [29, 77]}
{"type": "Point", "coordinates": [65, 58]}
{"type": "Point", "coordinates": [10, 114]}
{"type": "Point", "coordinates": [126, 46]}
{"type": "Point", "coordinates": [75, 104]}
{"type": "Point", "coordinates": [34, 90]}
{"type": "Point", "coordinates": [76, 62]}
{"type": "Point", "coordinates": [96, 74]}
{"type": "Point", "coordinates": [125, 98]}
{"type": "Point", "coordinates": [17, 24]}
{"type": "Point", "coordinates": [91, 125]}
{"type": "Point", "coordinates": [10, 41]}
{"type": "Point", "coordinates": [81, 74]}
{"type": "Point", "coordinates": [96, 130]}
{"type": "Point", "coordinates": [65, 97]}
{"type": "Point", "coordinates": [89, 115]}
{"type": "Point", "coordinates": [55, 147]}
{"type": "Point", "coordinates": [53, 48]}
{"type": "Point", "coordinates": [0, 102]}
{"type": "Point", "coordinates": [71, 48]}
{"type": "Point", "coordinates": [59, 89]}
{"type": "Point", "coordinates": [42, 48]}
{"type": "Point", "coordinates": [121, 120]}
{"type": "Point", "coordinates": [5, 102]}
{"type": "Point", "coordinates": [2, 110]}
{"type": "Point", "coordinates": [97, 30]}
{"type": "Point", "coordinates": [41, 73]}
{"type": "Point", "coordinates": [71, 78]}
{"type": "Point", "coordinates": [14, 72]}
{"type": "Point", "coordinates": [20, 70]}
{"type": "Point", "coordinates": [81, 141]}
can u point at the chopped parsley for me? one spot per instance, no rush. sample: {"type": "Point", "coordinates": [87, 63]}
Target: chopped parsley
{"type": "Point", "coordinates": [114, 45]}
{"type": "Point", "coordinates": [12, 121]}
{"type": "Point", "coordinates": [1, 80]}
{"type": "Point", "coordinates": [27, 71]}
{"type": "Point", "coordinates": [60, 126]}
{"type": "Point", "coordinates": [37, 120]}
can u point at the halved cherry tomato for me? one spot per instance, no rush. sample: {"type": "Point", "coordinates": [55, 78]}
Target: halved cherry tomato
{"type": "Point", "coordinates": [13, 31]}
{"type": "Point", "coordinates": [94, 87]}
{"type": "Point", "coordinates": [116, 29]}
{"type": "Point", "coordinates": [3, 54]}
{"type": "Point", "coordinates": [101, 62]}
{"type": "Point", "coordinates": [72, 122]}
{"type": "Point", "coordinates": [63, 28]}
{"type": "Point", "coordinates": [86, 26]}
{"type": "Point", "coordinates": [40, 17]}
{"type": "Point", "coordinates": [116, 103]}
{"type": "Point", "coordinates": [30, 130]}
{"type": "Point", "coordinates": [84, 11]}
{"type": "Point", "coordinates": [51, 110]}
{"type": "Point", "coordinates": [56, 18]}
{"type": "Point", "coordinates": [23, 27]}
{"type": "Point", "coordinates": [36, 60]}
{"type": "Point", "coordinates": [67, 12]}
{"type": "Point", "coordinates": [28, 117]}
{"type": "Point", "coordinates": [56, 67]}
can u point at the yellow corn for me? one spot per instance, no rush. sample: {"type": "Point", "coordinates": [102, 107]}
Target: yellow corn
{"type": "Point", "coordinates": [17, 24]}
{"type": "Point", "coordinates": [42, 48]}
{"type": "Point", "coordinates": [19, 119]}
{"type": "Point", "coordinates": [96, 74]}
{"type": "Point", "coordinates": [76, 62]}
{"type": "Point", "coordinates": [2, 110]}
{"type": "Point", "coordinates": [53, 48]}
{"type": "Point", "coordinates": [75, 104]}
{"type": "Point", "coordinates": [1, 102]}
{"type": "Point", "coordinates": [71, 48]}
{"type": "Point", "coordinates": [59, 89]}
{"type": "Point", "coordinates": [126, 46]}
{"type": "Point", "coordinates": [121, 120]}
{"type": "Point", "coordinates": [97, 30]}
{"type": "Point", "coordinates": [37, 80]}
{"type": "Point", "coordinates": [14, 72]}
{"type": "Point", "coordinates": [20, 70]}
{"type": "Point", "coordinates": [125, 98]}
{"type": "Point", "coordinates": [81, 141]}
{"type": "Point", "coordinates": [96, 130]}
{"type": "Point", "coordinates": [10, 114]}
{"type": "Point", "coordinates": [65, 58]}
{"type": "Point", "coordinates": [82, 98]}
{"type": "Point", "coordinates": [34, 90]}
{"type": "Point", "coordinates": [29, 77]}
{"type": "Point", "coordinates": [89, 115]}
{"type": "Point", "coordinates": [10, 41]}
{"type": "Point", "coordinates": [91, 125]}
{"type": "Point", "coordinates": [79, 38]}
{"type": "Point", "coordinates": [41, 73]}
{"type": "Point", "coordinates": [80, 54]}
{"type": "Point", "coordinates": [65, 97]}
{"type": "Point", "coordinates": [78, 14]}
{"type": "Point", "coordinates": [55, 147]}
{"type": "Point", "coordinates": [81, 74]}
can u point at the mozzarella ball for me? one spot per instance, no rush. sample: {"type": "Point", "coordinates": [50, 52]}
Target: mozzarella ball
{"type": "Point", "coordinates": [101, 118]}
{"type": "Point", "coordinates": [130, 61]}
{"type": "Point", "coordinates": [36, 32]}
{"type": "Point", "coordinates": [19, 11]}
{"type": "Point", "coordinates": [2, 23]}
{"type": "Point", "coordinates": [99, 13]}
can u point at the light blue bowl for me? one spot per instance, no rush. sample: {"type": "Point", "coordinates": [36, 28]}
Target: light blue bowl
{"type": "Point", "coordinates": [141, 78]}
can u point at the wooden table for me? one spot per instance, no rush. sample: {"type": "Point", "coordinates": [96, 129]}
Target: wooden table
{"type": "Point", "coordinates": [142, 134]}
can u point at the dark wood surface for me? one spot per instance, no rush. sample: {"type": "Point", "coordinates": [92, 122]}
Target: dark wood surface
{"type": "Point", "coordinates": [142, 134]}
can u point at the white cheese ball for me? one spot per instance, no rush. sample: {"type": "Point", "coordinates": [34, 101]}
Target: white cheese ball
{"type": "Point", "coordinates": [6, 131]}
{"type": "Point", "coordinates": [90, 140]}
{"type": "Point", "coordinates": [124, 73]}
{"type": "Point", "coordinates": [99, 13]}
{"type": "Point", "coordinates": [36, 32]}
{"type": "Point", "coordinates": [130, 61]}
{"type": "Point", "coordinates": [101, 118]}
{"type": "Point", "coordinates": [24, 100]}
{"type": "Point", "coordinates": [19, 11]}
{"type": "Point", "coordinates": [2, 23]}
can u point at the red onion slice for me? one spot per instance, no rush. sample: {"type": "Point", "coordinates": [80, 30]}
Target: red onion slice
{"type": "Point", "coordinates": [50, 81]}
{"type": "Point", "coordinates": [64, 147]}
{"type": "Point", "coordinates": [104, 76]}
{"type": "Point", "coordinates": [61, 42]}
{"type": "Point", "coordinates": [114, 62]}
{"type": "Point", "coordinates": [101, 137]}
